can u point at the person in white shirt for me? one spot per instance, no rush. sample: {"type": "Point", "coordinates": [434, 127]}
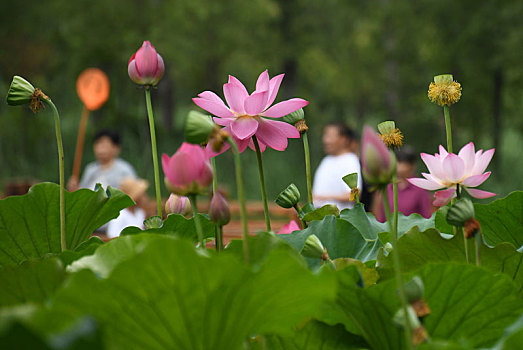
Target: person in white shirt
{"type": "Point", "coordinates": [340, 143]}
{"type": "Point", "coordinates": [132, 216]}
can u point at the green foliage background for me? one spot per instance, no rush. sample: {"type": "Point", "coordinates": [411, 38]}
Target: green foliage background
{"type": "Point", "coordinates": [360, 61]}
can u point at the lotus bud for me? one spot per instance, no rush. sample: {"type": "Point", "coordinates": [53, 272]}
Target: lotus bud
{"type": "Point", "coordinates": [460, 212]}
{"type": "Point", "coordinates": [188, 171]}
{"type": "Point", "coordinates": [378, 162]}
{"type": "Point", "coordinates": [390, 135]}
{"type": "Point", "coordinates": [289, 197]}
{"type": "Point", "coordinates": [414, 289]}
{"type": "Point", "coordinates": [351, 180]}
{"type": "Point", "coordinates": [219, 211]}
{"type": "Point", "coordinates": [314, 249]}
{"type": "Point", "coordinates": [198, 127]}
{"type": "Point", "coordinates": [178, 205]}
{"type": "Point", "coordinates": [146, 66]}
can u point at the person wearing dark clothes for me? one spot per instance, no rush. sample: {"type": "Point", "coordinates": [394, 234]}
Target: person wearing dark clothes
{"type": "Point", "coordinates": [411, 199]}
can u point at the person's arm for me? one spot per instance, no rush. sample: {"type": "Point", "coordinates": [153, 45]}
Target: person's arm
{"type": "Point", "coordinates": [338, 198]}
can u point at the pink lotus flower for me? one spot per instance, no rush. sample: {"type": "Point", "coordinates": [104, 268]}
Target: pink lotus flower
{"type": "Point", "coordinates": [447, 170]}
{"type": "Point", "coordinates": [289, 228]}
{"type": "Point", "coordinates": [146, 66]}
{"type": "Point", "coordinates": [188, 171]}
{"type": "Point", "coordinates": [378, 163]}
{"type": "Point", "coordinates": [243, 117]}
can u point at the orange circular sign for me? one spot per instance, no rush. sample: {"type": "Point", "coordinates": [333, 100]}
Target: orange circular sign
{"type": "Point", "coordinates": [92, 87]}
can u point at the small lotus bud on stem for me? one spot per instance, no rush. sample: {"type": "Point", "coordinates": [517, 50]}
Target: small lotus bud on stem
{"type": "Point", "coordinates": [178, 205]}
{"type": "Point", "coordinates": [219, 211]}
{"type": "Point", "coordinates": [471, 228]}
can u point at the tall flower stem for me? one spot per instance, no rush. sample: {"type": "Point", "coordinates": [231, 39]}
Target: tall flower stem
{"type": "Point", "coordinates": [397, 267]}
{"type": "Point", "coordinates": [477, 241]}
{"type": "Point", "coordinates": [241, 198]}
{"type": "Point", "coordinates": [448, 128]}
{"type": "Point", "coordinates": [305, 139]}
{"type": "Point", "coordinates": [262, 184]}
{"type": "Point", "coordinates": [197, 223]}
{"type": "Point", "coordinates": [63, 240]}
{"type": "Point", "coordinates": [154, 151]}
{"type": "Point", "coordinates": [396, 209]}
{"type": "Point", "coordinates": [218, 229]}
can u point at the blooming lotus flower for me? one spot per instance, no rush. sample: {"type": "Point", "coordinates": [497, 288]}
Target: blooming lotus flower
{"type": "Point", "coordinates": [378, 163]}
{"type": "Point", "coordinates": [289, 228]}
{"type": "Point", "coordinates": [188, 171]}
{"type": "Point", "coordinates": [243, 117]}
{"type": "Point", "coordinates": [146, 66]}
{"type": "Point", "coordinates": [447, 170]}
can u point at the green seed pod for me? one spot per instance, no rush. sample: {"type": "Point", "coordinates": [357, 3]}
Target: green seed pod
{"type": "Point", "coordinates": [386, 127]}
{"type": "Point", "coordinates": [412, 319]}
{"type": "Point", "coordinates": [444, 79]}
{"type": "Point", "coordinates": [20, 92]}
{"type": "Point", "coordinates": [414, 289]}
{"type": "Point", "coordinates": [295, 116]}
{"type": "Point", "coordinates": [198, 127]}
{"type": "Point", "coordinates": [289, 197]}
{"type": "Point", "coordinates": [313, 248]}
{"type": "Point", "coordinates": [351, 180]}
{"type": "Point", "coordinates": [461, 211]}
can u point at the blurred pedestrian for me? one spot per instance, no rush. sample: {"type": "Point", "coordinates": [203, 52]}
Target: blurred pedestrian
{"type": "Point", "coordinates": [132, 216]}
{"type": "Point", "coordinates": [108, 169]}
{"type": "Point", "coordinates": [340, 143]}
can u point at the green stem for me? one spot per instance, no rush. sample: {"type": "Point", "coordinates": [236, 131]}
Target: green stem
{"type": "Point", "coordinates": [397, 269]}
{"type": "Point", "coordinates": [154, 151]}
{"type": "Point", "coordinates": [477, 242]}
{"type": "Point", "coordinates": [396, 209]}
{"type": "Point", "coordinates": [219, 239]}
{"type": "Point", "coordinates": [241, 198]}
{"type": "Point", "coordinates": [197, 224]}
{"type": "Point", "coordinates": [262, 184]}
{"type": "Point", "coordinates": [305, 139]}
{"type": "Point", "coordinates": [63, 240]}
{"type": "Point", "coordinates": [448, 128]}
{"type": "Point", "coordinates": [218, 229]}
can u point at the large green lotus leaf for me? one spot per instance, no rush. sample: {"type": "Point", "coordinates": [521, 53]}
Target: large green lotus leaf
{"type": "Point", "coordinates": [469, 305]}
{"type": "Point", "coordinates": [369, 227]}
{"type": "Point", "coordinates": [339, 237]}
{"type": "Point", "coordinates": [502, 220]}
{"type": "Point", "coordinates": [177, 225]}
{"type": "Point", "coordinates": [419, 248]}
{"type": "Point", "coordinates": [31, 281]}
{"type": "Point", "coordinates": [171, 296]}
{"type": "Point", "coordinates": [30, 224]}
{"type": "Point", "coordinates": [512, 338]}
{"type": "Point", "coordinates": [316, 335]}
{"type": "Point", "coordinates": [86, 248]}
{"type": "Point", "coordinates": [106, 257]}
{"type": "Point", "coordinates": [259, 247]}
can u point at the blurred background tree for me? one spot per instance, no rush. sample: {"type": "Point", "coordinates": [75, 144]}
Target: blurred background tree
{"type": "Point", "coordinates": [361, 61]}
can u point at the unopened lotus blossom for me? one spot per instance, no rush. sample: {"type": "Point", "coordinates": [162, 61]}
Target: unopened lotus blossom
{"type": "Point", "coordinates": [378, 163]}
{"type": "Point", "coordinates": [242, 117]}
{"type": "Point", "coordinates": [146, 66]}
{"type": "Point", "coordinates": [177, 205]}
{"type": "Point", "coordinates": [289, 228]}
{"type": "Point", "coordinates": [188, 171]}
{"type": "Point", "coordinates": [447, 170]}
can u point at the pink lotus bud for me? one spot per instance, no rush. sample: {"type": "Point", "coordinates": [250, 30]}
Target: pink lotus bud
{"type": "Point", "coordinates": [219, 211]}
{"type": "Point", "coordinates": [146, 66]}
{"type": "Point", "coordinates": [188, 171]}
{"type": "Point", "coordinates": [177, 205]}
{"type": "Point", "coordinates": [378, 162]}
